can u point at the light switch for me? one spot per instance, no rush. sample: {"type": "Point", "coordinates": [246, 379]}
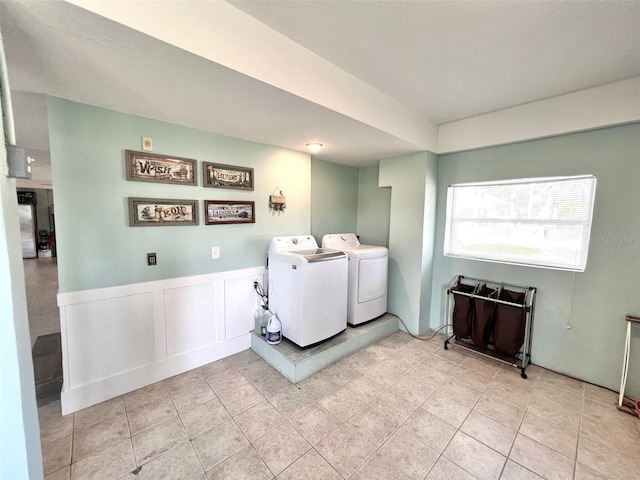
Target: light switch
{"type": "Point", "coordinates": [152, 259]}
{"type": "Point", "coordinates": [215, 253]}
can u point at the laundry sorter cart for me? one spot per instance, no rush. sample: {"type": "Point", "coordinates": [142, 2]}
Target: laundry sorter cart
{"type": "Point", "coordinates": [494, 319]}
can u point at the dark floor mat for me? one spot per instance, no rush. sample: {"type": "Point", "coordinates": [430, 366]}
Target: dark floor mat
{"type": "Point", "coordinates": [47, 367]}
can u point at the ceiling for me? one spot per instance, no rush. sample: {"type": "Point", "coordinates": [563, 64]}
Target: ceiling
{"type": "Point", "coordinates": [368, 79]}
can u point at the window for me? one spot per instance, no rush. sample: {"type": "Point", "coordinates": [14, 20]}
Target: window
{"type": "Point", "coordinates": [543, 222]}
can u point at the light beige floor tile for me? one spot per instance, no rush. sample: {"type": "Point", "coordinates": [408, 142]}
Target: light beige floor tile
{"type": "Point", "coordinates": [62, 474]}
{"type": "Point", "coordinates": [511, 377]}
{"type": "Point", "coordinates": [541, 459]}
{"type": "Point", "coordinates": [191, 395]}
{"type": "Point", "coordinates": [605, 461]}
{"type": "Point", "coordinates": [600, 394]}
{"type": "Point", "coordinates": [409, 454]}
{"type": "Point", "coordinates": [469, 377]}
{"type": "Point", "coordinates": [394, 341]}
{"type": "Point", "coordinates": [365, 388]}
{"type": "Point", "coordinates": [238, 400]}
{"type": "Point", "coordinates": [341, 374]}
{"type": "Point", "coordinates": [180, 381]}
{"type": "Point", "coordinates": [446, 409]}
{"type": "Point", "coordinates": [158, 439]}
{"type": "Point", "coordinates": [344, 450]}
{"type": "Point", "coordinates": [144, 396]}
{"type": "Point", "coordinates": [513, 471]}
{"type": "Point", "coordinates": [343, 403]}
{"type": "Point", "coordinates": [213, 369]}
{"type": "Point", "coordinates": [489, 432]}
{"type": "Point", "coordinates": [244, 464]}
{"type": "Point", "coordinates": [255, 369]}
{"type": "Point", "coordinates": [611, 435]}
{"type": "Point", "coordinates": [314, 423]}
{"type": "Point", "coordinates": [219, 443]}
{"type": "Point", "coordinates": [520, 397]}
{"type": "Point", "coordinates": [562, 417]}
{"type": "Point", "coordinates": [318, 385]}
{"type": "Point", "coordinates": [226, 380]}
{"type": "Point", "coordinates": [379, 468]}
{"type": "Point", "coordinates": [383, 373]}
{"type": "Point", "coordinates": [281, 447]}
{"type": "Point", "coordinates": [429, 429]}
{"type": "Point", "coordinates": [609, 414]}
{"type": "Point", "coordinates": [393, 406]}
{"type": "Point", "coordinates": [585, 473]}
{"type": "Point", "coordinates": [100, 436]}
{"type": "Point", "coordinates": [258, 420]}
{"type": "Point", "coordinates": [460, 392]}
{"type": "Point", "coordinates": [412, 391]}
{"type": "Point", "coordinates": [505, 413]}
{"type": "Point", "coordinates": [311, 466]}
{"type": "Point", "coordinates": [112, 462]}
{"type": "Point", "coordinates": [557, 438]}
{"type": "Point", "coordinates": [440, 364]}
{"type": "Point", "coordinates": [474, 456]}
{"type": "Point", "coordinates": [447, 470]}
{"type": "Point", "coordinates": [49, 411]}
{"type": "Point", "coordinates": [203, 417]}
{"type": "Point", "coordinates": [57, 454]}
{"type": "Point", "coordinates": [243, 357]}
{"type": "Point", "coordinates": [291, 401]}
{"type": "Point", "coordinates": [562, 382]}
{"type": "Point", "coordinates": [565, 399]}
{"type": "Point", "coordinates": [55, 428]}
{"type": "Point", "coordinates": [98, 413]}
{"type": "Point", "coordinates": [427, 376]}
{"type": "Point", "coordinates": [481, 366]}
{"type": "Point", "coordinates": [151, 414]}
{"type": "Point", "coordinates": [271, 384]}
{"type": "Point", "coordinates": [372, 426]}
{"type": "Point", "coordinates": [361, 361]}
{"type": "Point", "coordinates": [180, 463]}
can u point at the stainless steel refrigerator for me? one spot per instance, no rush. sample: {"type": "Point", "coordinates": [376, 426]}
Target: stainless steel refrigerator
{"type": "Point", "coordinates": [28, 230]}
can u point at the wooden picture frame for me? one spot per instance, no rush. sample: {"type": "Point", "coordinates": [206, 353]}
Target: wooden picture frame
{"type": "Point", "coordinates": [151, 167]}
{"type": "Point", "coordinates": [218, 175]}
{"type": "Point", "coordinates": [223, 212]}
{"type": "Point", "coordinates": [161, 212]}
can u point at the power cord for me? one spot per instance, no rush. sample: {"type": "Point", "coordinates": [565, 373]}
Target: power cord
{"type": "Point", "coordinates": [260, 291]}
{"type": "Point", "coordinates": [417, 337]}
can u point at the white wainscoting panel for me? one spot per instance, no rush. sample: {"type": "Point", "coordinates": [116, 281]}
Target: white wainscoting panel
{"type": "Point", "coordinates": [190, 318]}
{"type": "Point", "coordinates": [240, 303]}
{"type": "Point", "coordinates": [103, 342]}
{"type": "Point", "coordinates": [118, 339]}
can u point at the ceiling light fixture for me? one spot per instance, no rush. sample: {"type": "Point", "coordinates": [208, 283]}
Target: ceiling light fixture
{"type": "Point", "coordinates": [314, 147]}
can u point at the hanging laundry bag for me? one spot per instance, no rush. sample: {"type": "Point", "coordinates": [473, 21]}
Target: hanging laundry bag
{"type": "Point", "coordinates": [462, 316]}
{"type": "Point", "coordinates": [510, 323]}
{"type": "Point", "coordinates": [482, 325]}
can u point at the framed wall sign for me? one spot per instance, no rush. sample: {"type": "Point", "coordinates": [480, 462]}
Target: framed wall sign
{"type": "Point", "coordinates": [151, 167]}
{"type": "Point", "coordinates": [156, 212]}
{"type": "Point", "coordinates": [217, 212]}
{"type": "Point", "coordinates": [217, 175]}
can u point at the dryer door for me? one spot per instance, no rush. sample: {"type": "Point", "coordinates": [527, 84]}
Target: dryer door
{"type": "Point", "coordinates": [372, 278]}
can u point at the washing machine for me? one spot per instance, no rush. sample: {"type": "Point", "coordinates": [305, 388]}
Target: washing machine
{"type": "Point", "coordinates": [307, 289]}
{"type": "Point", "coordinates": [368, 272]}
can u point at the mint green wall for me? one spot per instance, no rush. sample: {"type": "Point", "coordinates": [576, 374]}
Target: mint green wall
{"type": "Point", "coordinates": [96, 246]}
{"type": "Point", "coordinates": [20, 455]}
{"type": "Point", "coordinates": [334, 198]}
{"type": "Point", "coordinates": [374, 208]}
{"type": "Point", "coordinates": [579, 324]}
{"type": "Point", "coordinates": [411, 228]}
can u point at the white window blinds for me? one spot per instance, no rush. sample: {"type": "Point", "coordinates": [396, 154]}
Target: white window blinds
{"type": "Point", "coordinates": [537, 222]}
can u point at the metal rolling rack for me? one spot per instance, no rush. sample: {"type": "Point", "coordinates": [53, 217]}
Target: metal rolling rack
{"type": "Point", "coordinates": [523, 356]}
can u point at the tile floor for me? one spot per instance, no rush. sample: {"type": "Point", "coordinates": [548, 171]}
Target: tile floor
{"type": "Point", "coordinates": [41, 282]}
{"type": "Point", "coordinates": [398, 409]}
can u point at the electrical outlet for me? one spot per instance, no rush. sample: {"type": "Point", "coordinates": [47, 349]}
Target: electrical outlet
{"type": "Point", "coordinates": [215, 253]}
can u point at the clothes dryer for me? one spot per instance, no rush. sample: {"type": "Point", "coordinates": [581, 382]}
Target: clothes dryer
{"type": "Point", "coordinates": [368, 272]}
{"type": "Point", "coordinates": [307, 289]}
